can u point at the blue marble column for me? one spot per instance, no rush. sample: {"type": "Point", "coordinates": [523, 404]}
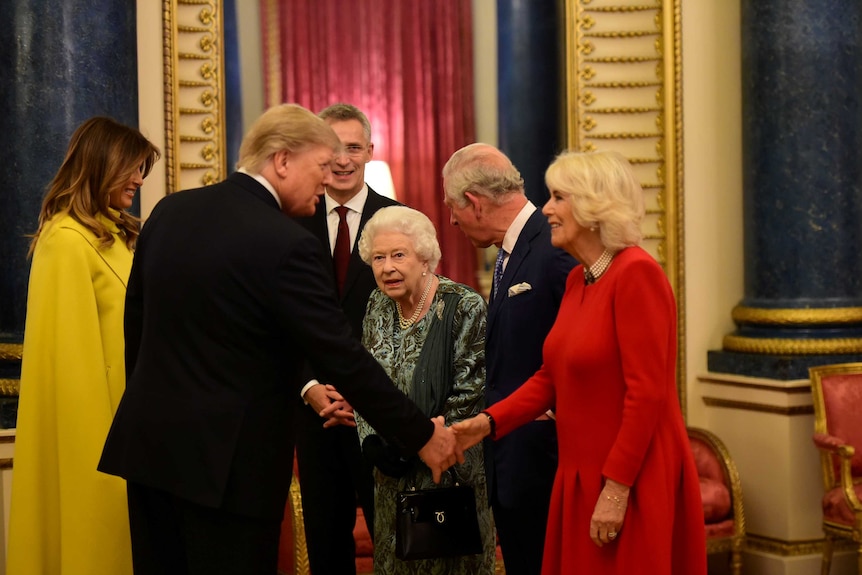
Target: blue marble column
{"type": "Point", "coordinates": [60, 63]}
{"type": "Point", "coordinates": [801, 74]}
{"type": "Point", "coordinates": [232, 84]}
{"type": "Point", "coordinates": [529, 40]}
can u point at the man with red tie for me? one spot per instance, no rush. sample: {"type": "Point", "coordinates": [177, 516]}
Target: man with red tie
{"type": "Point", "coordinates": [333, 475]}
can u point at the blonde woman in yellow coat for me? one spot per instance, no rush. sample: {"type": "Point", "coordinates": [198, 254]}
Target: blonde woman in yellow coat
{"type": "Point", "coordinates": [66, 517]}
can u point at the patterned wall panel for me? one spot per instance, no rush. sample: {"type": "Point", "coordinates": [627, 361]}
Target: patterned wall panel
{"type": "Point", "coordinates": [623, 63]}
{"type": "Point", "coordinates": [195, 150]}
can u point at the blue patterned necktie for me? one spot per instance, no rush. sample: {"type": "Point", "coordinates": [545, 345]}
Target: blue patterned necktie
{"type": "Point", "coordinates": [498, 270]}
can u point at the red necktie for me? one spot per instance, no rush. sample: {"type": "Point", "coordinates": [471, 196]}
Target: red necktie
{"type": "Point", "coordinates": [341, 253]}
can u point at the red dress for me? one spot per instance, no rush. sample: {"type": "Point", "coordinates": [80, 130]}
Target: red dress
{"type": "Point", "coordinates": [609, 372]}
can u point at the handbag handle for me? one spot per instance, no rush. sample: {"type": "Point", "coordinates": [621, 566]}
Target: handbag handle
{"type": "Point", "coordinates": [453, 473]}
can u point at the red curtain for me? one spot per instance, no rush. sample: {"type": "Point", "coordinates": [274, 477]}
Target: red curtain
{"type": "Point", "coordinates": [408, 65]}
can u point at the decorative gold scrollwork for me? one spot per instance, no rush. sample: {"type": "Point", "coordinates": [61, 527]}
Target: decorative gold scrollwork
{"type": "Point", "coordinates": [194, 34]}
{"type": "Point", "coordinates": [635, 48]}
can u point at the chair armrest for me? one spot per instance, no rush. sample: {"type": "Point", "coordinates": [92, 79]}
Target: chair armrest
{"type": "Point", "coordinates": [828, 442]}
{"type": "Point", "coordinates": [837, 446]}
{"type": "Point", "coordinates": [846, 453]}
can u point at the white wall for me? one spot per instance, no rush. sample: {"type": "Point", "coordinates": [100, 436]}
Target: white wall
{"type": "Point", "coordinates": [151, 96]}
{"type": "Point", "coordinates": [712, 137]}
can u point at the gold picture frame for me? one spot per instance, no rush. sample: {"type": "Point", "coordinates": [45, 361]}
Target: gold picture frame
{"type": "Point", "coordinates": [624, 92]}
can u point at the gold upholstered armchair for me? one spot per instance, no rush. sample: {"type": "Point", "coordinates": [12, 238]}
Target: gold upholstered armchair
{"type": "Point", "coordinates": [721, 493]}
{"type": "Point", "coordinates": [837, 395]}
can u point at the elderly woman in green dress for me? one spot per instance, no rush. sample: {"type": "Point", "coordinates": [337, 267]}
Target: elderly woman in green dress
{"type": "Point", "coordinates": [428, 333]}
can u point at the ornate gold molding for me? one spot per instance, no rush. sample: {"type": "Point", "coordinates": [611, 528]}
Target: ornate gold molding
{"type": "Point", "coordinates": [791, 548]}
{"type": "Point", "coordinates": [301, 563]}
{"type": "Point", "coordinates": [10, 387]}
{"type": "Point", "coordinates": [195, 148]}
{"type": "Point", "coordinates": [802, 389]}
{"type": "Point", "coordinates": [11, 351]}
{"type": "Point", "coordinates": [778, 346]}
{"type": "Point", "coordinates": [760, 407]}
{"type": "Point", "coordinates": [790, 316]}
{"type": "Point", "coordinates": [624, 92]}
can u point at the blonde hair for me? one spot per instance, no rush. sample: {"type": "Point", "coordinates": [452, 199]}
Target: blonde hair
{"type": "Point", "coordinates": [412, 223]}
{"type": "Point", "coordinates": [484, 170]}
{"type": "Point", "coordinates": [602, 190]}
{"type": "Point", "coordinates": [103, 154]}
{"type": "Point", "coordinates": [283, 127]}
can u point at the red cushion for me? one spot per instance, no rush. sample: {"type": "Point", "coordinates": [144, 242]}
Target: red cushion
{"type": "Point", "coordinates": [364, 546]}
{"type": "Point", "coordinates": [842, 396]}
{"type": "Point", "coordinates": [835, 508]}
{"type": "Point", "coordinates": [708, 464]}
{"type": "Point", "coordinates": [720, 529]}
{"type": "Point", "coordinates": [716, 500]}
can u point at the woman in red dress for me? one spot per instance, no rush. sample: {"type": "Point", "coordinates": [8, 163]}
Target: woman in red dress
{"type": "Point", "coordinates": [626, 498]}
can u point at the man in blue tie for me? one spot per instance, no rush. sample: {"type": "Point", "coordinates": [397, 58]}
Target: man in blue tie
{"type": "Point", "coordinates": [485, 195]}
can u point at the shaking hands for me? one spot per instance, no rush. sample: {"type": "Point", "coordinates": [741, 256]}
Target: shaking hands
{"type": "Point", "coordinates": [471, 431]}
{"type": "Point", "coordinates": [442, 451]}
{"type": "Point", "coordinates": [448, 444]}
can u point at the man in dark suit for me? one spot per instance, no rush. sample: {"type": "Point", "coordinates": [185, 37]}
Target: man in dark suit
{"type": "Point", "coordinates": [332, 471]}
{"type": "Point", "coordinates": [227, 300]}
{"type": "Point", "coordinates": [485, 195]}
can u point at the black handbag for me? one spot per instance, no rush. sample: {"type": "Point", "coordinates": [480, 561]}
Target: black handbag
{"type": "Point", "coordinates": [433, 523]}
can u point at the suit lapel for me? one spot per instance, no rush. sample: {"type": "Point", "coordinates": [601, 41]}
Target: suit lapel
{"type": "Point", "coordinates": [356, 265]}
{"type": "Point", "coordinates": [522, 249]}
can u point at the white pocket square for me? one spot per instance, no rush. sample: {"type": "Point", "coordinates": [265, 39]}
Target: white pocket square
{"type": "Point", "coordinates": [519, 289]}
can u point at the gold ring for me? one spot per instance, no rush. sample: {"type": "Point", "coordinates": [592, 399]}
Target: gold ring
{"type": "Point", "coordinates": [612, 534]}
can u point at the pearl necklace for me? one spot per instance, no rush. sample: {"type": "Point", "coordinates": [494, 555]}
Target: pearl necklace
{"type": "Point", "coordinates": [594, 272]}
{"type": "Point", "coordinates": [406, 323]}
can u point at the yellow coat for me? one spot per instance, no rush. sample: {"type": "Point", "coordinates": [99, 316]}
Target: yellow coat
{"type": "Point", "coordinates": [66, 517]}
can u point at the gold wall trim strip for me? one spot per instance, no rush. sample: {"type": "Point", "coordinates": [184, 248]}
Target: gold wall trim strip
{"type": "Point", "coordinates": [624, 93]}
{"type": "Point", "coordinates": [783, 548]}
{"type": "Point", "coordinates": [10, 388]}
{"type": "Point", "coordinates": [270, 15]}
{"type": "Point", "coordinates": [625, 111]}
{"type": "Point", "coordinates": [778, 346]}
{"type": "Point", "coordinates": [759, 407]}
{"type": "Point", "coordinates": [800, 389]}
{"type": "Point", "coordinates": [630, 34]}
{"type": "Point", "coordinates": [301, 562]}
{"type": "Point", "coordinates": [789, 316]}
{"type": "Point", "coordinates": [623, 59]}
{"type": "Point", "coordinates": [195, 148]}
{"type": "Point", "coordinates": [11, 351]}
{"type": "Point", "coordinates": [635, 8]}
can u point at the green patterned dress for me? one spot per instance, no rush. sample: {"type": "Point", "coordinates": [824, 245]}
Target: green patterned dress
{"type": "Point", "coordinates": [397, 351]}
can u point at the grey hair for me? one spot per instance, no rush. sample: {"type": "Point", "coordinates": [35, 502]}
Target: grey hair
{"type": "Point", "coordinates": [342, 112]}
{"type": "Point", "coordinates": [481, 169]}
{"type": "Point", "coordinates": [412, 223]}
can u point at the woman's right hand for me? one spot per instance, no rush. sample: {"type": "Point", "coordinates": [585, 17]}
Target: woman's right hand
{"type": "Point", "coordinates": [471, 431]}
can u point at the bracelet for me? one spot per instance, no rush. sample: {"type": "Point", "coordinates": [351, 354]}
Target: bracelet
{"type": "Point", "coordinates": [493, 434]}
{"type": "Point", "coordinates": [616, 500]}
